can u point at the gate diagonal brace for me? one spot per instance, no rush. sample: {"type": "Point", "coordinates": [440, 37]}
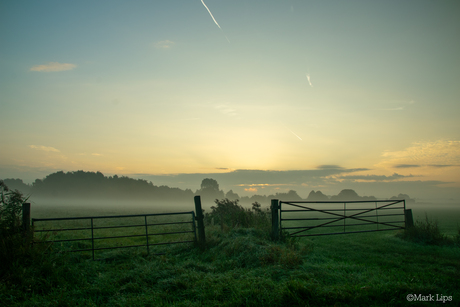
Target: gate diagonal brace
{"type": "Point", "coordinates": [341, 216]}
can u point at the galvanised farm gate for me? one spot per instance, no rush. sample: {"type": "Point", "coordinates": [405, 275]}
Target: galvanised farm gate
{"type": "Point", "coordinates": [317, 218]}
{"type": "Point", "coordinates": [148, 230]}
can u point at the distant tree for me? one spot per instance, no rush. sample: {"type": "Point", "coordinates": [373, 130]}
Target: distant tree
{"type": "Point", "coordinates": [291, 195]}
{"type": "Point", "coordinates": [346, 194]}
{"type": "Point", "coordinates": [405, 197]}
{"type": "Point", "coordinates": [231, 195]}
{"type": "Point", "coordinates": [210, 184]}
{"type": "Point", "coordinates": [210, 190]}
{"type": "Point", "coordinates": [95, 185]}
{"type": "Point", "coordinates": [17, 184]}
{"type": "Point", "coordinates": [317, 196]}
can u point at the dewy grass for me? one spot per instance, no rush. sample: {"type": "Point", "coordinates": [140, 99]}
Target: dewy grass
{"type": "Point", "coordinates": [243, 267]}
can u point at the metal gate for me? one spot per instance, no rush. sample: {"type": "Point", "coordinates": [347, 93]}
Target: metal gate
{"type": "Point", "coordinates": [142, 230]}
{"type": "Point", "coordinates": [318, 218]}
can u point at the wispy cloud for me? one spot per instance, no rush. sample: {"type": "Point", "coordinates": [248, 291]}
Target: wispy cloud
{"type": "Point", "coordinates": [406, 165]}
{"type": "Point", "coordinates": [166, 44]}
{"type": "Point", "coordinates": [53, 67]}
{"type": "Point", "coordinates": [224, 109]}
{"type": "Point", "coordinates": [393, 109]}
{"type": "Point", "coordinates": [402, 105]}
{"type": "Point", "coordinates": [374, 178]}
{"type": "Point", "coordinates": [329, 166]}
{"type": "Point", "coordinates": [309, 80]}
{"type": "Point", "coordinates": [437, 154]}
{"type": "Point", "coordinates": [44, 148]}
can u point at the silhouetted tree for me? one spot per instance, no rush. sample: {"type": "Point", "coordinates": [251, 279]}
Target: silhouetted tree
{"type": "Point", "coordinates": [17, 184]}
{"type": "Point", "coordinates": [231, 195]}
{"type": "Point", "coordinates": [317, 196]}
{"type": "Point", "coordinates": [210, 184]}
{"type": "Point", "coordinates": [209, 190]}
{"type": "Point", "coordinates": [405, 197]}
{"type": "Point", "coordinates": [82, 184]}
{"type": "Point", "coordinates": [346, 194]}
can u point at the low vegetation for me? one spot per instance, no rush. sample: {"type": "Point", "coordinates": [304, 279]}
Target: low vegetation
{"type": "Point", "coordinates": [428, 232]}
{"type": "Point", "coordinates": [242, 266]}
{"type": "Point", "coordinates": [15, 242]}
{"type": "Point", "coordinates": [229, 214]}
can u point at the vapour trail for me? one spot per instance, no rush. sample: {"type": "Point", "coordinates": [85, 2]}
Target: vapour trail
{"type": "Point", "coordinates": [211, 14]}
{"type": "Point", "coordinates": [309, 81]}
{"type": "Point", "coordinates": [295, 134]}
{"type": "Point", "coordinates": [215, 21]}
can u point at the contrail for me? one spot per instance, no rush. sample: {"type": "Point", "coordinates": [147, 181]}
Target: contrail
{"type": "Point", "coordinates": [295, 134]}
{"type": "Point", "coordinates": [215, 21]}
{"type": "Point", "coordinates": [309, 81]}
{"type": "Point", "coordinates": [211, 14]}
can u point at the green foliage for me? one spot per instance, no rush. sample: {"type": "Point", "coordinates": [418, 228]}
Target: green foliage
{"type": "Point", "coordinates": [426, 232]}
{"type": "Point", "coordinates": [228, 213]}
{"type": "Point", "coordinates": [15, 243]}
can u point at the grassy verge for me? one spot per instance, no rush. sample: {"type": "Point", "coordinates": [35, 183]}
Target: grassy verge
{"type": "Point", "coordinates": [242, 267]}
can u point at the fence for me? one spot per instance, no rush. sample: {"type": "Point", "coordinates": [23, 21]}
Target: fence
{"type": "Point", "coordinates": [145, 225]}
{"type": "Point", "coordinates": [304, 220]}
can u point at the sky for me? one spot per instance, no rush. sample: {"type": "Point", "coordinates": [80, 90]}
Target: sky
{"type": "Point", "coordinates": [265, 95]}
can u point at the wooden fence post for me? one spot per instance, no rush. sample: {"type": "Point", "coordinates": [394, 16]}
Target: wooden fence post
{"type": "Point", "coordinates": [26, 217]}
{"type": "Point", "coordinates": [275, 225]}
{"type": "Point", "coordinates": [408, 218]}
{"type": "Point", "coordinates": [200, 222]}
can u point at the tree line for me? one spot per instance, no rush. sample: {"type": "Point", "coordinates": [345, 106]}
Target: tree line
{"type": "Point", "coordinates": [94, 185]}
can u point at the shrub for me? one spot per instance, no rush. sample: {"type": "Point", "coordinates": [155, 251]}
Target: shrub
{"type": "Point", "coordinates": [228, 213]}
{"type": "Point", "coordinates": [15, 241]}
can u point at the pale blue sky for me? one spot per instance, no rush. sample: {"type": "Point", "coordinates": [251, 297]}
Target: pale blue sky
{"type": "Point", "coordinates": [154, 87]}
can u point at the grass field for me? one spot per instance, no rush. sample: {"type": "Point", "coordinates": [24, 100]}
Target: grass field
{"type": "Point", "coordinates": [243, 267]}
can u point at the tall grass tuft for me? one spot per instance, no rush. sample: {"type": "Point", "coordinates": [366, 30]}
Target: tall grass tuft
{"type": "Point", "coordinates": [426, 232]}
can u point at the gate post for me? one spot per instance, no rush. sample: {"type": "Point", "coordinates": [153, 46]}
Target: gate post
{"type": "Point", "coordinates": [409, 220]}
{"type": "Point", "coordinates": [200, 222]}
{"type": "Point", "coordinates": [275, 226]}
{"type": "Point", "coordinates": [26, 217]}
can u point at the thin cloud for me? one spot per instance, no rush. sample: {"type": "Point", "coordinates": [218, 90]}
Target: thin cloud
{"type": "Point", "coordinates": [53, 67]}
{"type": "Point", "coordinates": [327, 166]}
{"type": "Point", "coordinates": [224, 109]}
{"type": "Point", "coordinates": [309, 80]}
{"type": "Point", "coordinates": [166, 44]}
{"type": "Point", "coordinates": [374, 178]}
{"type": "Point", "coordinates": [402, 105]}
{"type": "Point", "coordinates": [442, 153]}
{"type": "Point", "coordinates": [393, 109]}
{"type": "Point", "coordinates": [406, 165]}
{"type": "Point", "coordinates": [44, 148]}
